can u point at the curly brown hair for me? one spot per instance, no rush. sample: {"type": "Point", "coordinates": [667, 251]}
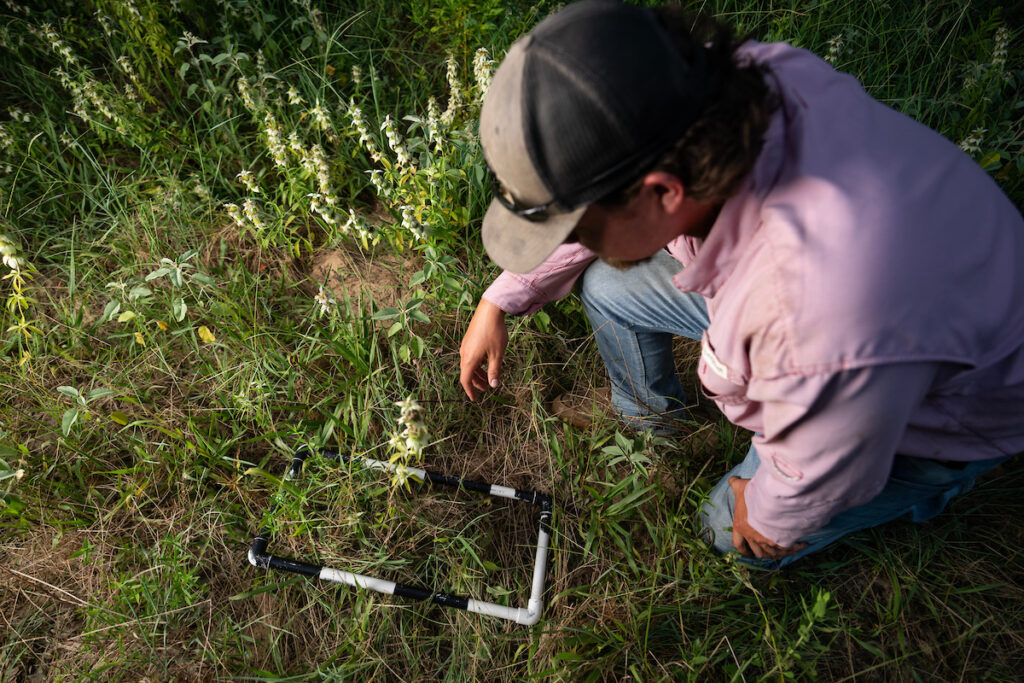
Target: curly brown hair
{"type": "Point", "coordinates": [719, 149]}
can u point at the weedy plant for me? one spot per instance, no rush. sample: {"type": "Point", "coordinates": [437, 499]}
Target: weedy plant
{"type": "Point", "coordinates": [173, 178]}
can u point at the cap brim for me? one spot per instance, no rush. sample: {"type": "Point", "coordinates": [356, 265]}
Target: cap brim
{"type": "Point", "coordinates": [519, 245]}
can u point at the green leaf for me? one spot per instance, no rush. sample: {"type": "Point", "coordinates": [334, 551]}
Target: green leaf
{"type": "Point", "coordinates": [417, 278]}
{"type": "Point", "coordinates": [111, 310]}
{"type": "Point", "coordinates": [159, 272]}
{"type": "Point", "coordinates": [139, 291]}
{"type": "Point", "coordinates": [125, 317]}
{"type": "Point", "coordinates": [179, 309]}
{"type": "Point", "coordinates": [419, 316]}
{"type": "Point", "coordinates": [990, 161]}
{"type": "Point", "coordinates": [70, 391]}
{"type": "Point", "coordinates": [395, 329]}
{"type": "Point", "coordinates": [404, 353]}
{"type": "Point", "coordinates": [387, 314]}
{"type": "Point", "coordinates": [69, 420]}
{"type": "Point", "coordinates": [98, 393]}
{"type": "Point", "coordinates": [120, 418]}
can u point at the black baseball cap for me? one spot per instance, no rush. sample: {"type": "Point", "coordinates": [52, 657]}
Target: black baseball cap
{"type": "Point", "coordinates": [579, 107]}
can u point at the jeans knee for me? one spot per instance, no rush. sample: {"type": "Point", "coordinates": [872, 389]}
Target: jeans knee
{"type": "Point", "coordinates": [716, 524]}
{"type": "Point", "coordinates": [597, 288]}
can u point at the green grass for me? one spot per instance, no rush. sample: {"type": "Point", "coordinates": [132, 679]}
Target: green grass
{"type": "Point", "coordinates": [148, 407]}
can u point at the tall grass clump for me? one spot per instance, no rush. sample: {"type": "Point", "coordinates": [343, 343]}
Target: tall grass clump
{"type": "Point", "coordinates": [232, 229]}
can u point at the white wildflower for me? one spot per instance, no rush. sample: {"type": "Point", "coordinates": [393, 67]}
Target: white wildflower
{"type": "Point", "coordinates": [409, 223]}
{"type": "Point", "coordinates": [294, 97]}
{"type": "Point", "coordinates": [274, 141]}
{"type": "Point", "coordinates": [318, 163]}
{"type": "Point", "coordinates": [200, 190]}
{"type": "Point", "coordinates": [409, 407]}
{"type": "Point", "coordinates": [317, 205]}
{"type": "Point", "coordinates": [295, 144]}
{"type": "Point", "coordinates": [835, 48]}
{"type": "Point", "coordinates": [126, 67]}
{"type": "Point", "coordinates": [242, 84]}
{"type": "Point", "coordinates": [483, 71]}
{"type": "Point", "coordinates": [1002, 42]}
{"type": "Point", "coordinates": [325, 300]}
{"type": "Point", "coordinates": [6, 140]}
{"type": "Point", "coordinates": [18, 115]}
{"type": "Point", "coordinates": [235, 213]}
{"type": "Point", "coordinates": [320, 116]}
{"type": "Point", "coordinates": [357, 225]}
{"type": "Point", "coordinates": [972, 143]}
{"type": "Point", "coordinates": [456, 98]}
{"type": "Point", "coordinates": [249, 180]}
{"type": "Point", "coordinates": [377, 180]}
{"type": "Point", "coordinates": [357, 74]}
{"type": "Point", "coordinates": [251, 212]}
{"type": "Point", "coordinates": [132, 9]}
{"type": "Point", "coordinates": [396, 142]}
{"type": "Point", "coordinates": [433, 125]}
{"type": "Point", "coordinates": [400, 475]}
{"type": "Point", "coordinates": [365, 139]}
{"type": "Point", "coordinates": [189, 40]}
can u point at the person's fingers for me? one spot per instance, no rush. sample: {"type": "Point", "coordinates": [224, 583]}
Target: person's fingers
{"type": "Point", "coordinates": [494, 368]}
{"type": "Point", "coordinates": [466, 380]}
{"type": "Point", "coordinates": [740, 543]}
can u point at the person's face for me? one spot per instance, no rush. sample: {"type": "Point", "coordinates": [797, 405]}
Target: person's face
{"type": "Point", "coordinates": [626, 235]}
{"type": "Point", "coordinates": [630, 234]}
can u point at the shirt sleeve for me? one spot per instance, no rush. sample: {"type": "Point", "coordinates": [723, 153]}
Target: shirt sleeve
{"type": "Point", "coordinates": [824, 456]}
{"type": "Point", "coordinates": [522, 294]}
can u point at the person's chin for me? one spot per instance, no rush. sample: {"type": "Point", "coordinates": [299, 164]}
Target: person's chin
{"type": "Point", "coordinates": [623, 264]}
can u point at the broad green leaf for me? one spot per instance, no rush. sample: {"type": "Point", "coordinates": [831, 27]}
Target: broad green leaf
{"type": "Point", "coordinates": [69, 420]}
{"type": "Point", "coordinates": [125, 317]}
{"type": "Point", "coordinates": [387, 314]}
{"type": "Point", "coordinates": [70, 391]}
{"type": "Point", "coordinates": [111, 310]}
{"type": "Point", "coordinates": [179, 308]}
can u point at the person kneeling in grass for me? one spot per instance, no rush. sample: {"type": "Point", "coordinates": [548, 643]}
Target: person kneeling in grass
{"type": "Point", "coordinates": [854, 278]}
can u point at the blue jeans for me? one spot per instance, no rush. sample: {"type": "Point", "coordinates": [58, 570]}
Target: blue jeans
{"type": "Point", "coordinates": [635, 314]}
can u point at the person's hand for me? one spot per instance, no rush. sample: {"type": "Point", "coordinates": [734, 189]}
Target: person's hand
{"type": "Point", "coordinates": [748, 540]}
{"type": "Point", "coordinates": [484, 343]}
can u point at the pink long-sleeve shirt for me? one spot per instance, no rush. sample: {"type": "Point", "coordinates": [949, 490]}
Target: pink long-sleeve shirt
{"type": "Point", "coordinates": [866, 295]}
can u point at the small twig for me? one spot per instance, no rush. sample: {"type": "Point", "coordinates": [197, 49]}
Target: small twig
{"type": "Point", "coordinates": [77, 600]}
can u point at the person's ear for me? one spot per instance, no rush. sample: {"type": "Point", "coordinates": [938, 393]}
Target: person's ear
{"type": "Point", "coordinates": [668, 189]}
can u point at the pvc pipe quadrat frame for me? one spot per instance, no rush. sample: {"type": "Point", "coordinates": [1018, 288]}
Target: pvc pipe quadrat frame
{"type": "Point", "coordinates": [528, 616]}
